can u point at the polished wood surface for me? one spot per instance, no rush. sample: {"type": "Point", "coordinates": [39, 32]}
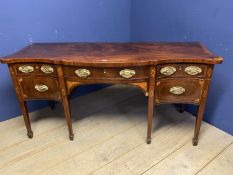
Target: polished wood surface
{"type": "Point", "coordinates": [111, 74]}
{"type": "Point", "coordinates": [180, 70]}
{"type": "Point", "coordinates": [113, 54]}
{"type": "Point", "coordinates": [193, 90]}
{"type": "Point", "coordinates": [165, 72]}
{"type": "Point", "coordinates": [27, 86]}
{"type": "Point", "coordinates": [37, 69]}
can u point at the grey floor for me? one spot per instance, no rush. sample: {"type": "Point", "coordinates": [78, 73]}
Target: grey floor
{"type": "Point", "coordinates": [110, 130]}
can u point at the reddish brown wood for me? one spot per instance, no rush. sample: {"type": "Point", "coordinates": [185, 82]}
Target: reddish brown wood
{"type": "Point", "coordinates": [113, 54]}
{"type": "Point", "coordinates": [65, 101]}
{"type": "Point", "coordinates": [22, 103]}
{"type": "Point", "coordinates": [201, 107]}
{"type": "Point", "coordinates": [151, 102]}
{"type": "Point", "coordinates": [27, 85]}
{"type": "Point", "coordinates": [37, 69]}
{"type": "Point", "coordinates": [106, 74]}
{"type": "Point", "coordinates": [180, 73]}
{"type": "Point", "coordinates": [193, 90]}
{"type": "Point", "coordinates": [105, 61]}
{"type": "Point", "coordinates": [143, 86]}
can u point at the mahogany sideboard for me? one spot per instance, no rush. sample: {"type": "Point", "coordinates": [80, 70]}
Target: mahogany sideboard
{"type": "Point", "coordinates": [165, 72]}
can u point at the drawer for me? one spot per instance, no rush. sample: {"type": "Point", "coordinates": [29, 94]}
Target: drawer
{"type": "Point", "coordinates": [181, 70]}
{"type": "Point", "coordinates": [35, 69]}
{"type": "Point", "coordinates": [178, 90]}
{"type": "Point", "coordinates": [88, 73]}
{"type": "Point", "coordinates": [39, 87]}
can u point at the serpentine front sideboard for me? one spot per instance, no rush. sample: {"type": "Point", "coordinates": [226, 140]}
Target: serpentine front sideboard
{"type": "Point", "coordinates": [165, 72]}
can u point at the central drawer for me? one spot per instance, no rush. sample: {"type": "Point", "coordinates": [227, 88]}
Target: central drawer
{"type": "Point", "coordinates": [39, 87]}
{"type": "Point", "coordinates": [92, 73]}
{"type": "Point", "coordinates": [179, 90]}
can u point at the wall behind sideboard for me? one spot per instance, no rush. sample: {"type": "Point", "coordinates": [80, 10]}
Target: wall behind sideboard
{"type": "Point", "coordinates": [26, 21]}
{"type": "Point", "coordinates": [208, 21]}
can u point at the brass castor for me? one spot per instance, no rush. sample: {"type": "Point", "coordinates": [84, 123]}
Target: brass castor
{"type": "Point", "coordinates": [30, 135]}
{"type": "Point", "coordinates": [71, 137]}
{"type": "Point", "coordinates": [148, 141]}
{"type": "Point", "coordinates": [195, 142]}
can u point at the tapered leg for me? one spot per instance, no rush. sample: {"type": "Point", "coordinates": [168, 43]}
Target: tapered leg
{"type": "Point", "coordinates": [52, 104]}
{"type": "Point", "coordinates": [22, 103]}
{"type": "Point", "coordinates": [65, 101]}
{"type": "Point", "coordinates": [24, 109]}
{"type": "Point", "coordinates": [66, 107]}
{"type": "Point", "coordinates": [150, 118]}
{"type": "Point", "coordinates": [198, 123]}
{"type": "Point", "coordinates": [200, 112]}
{"type": "Point", "coordinates": [150, 103]}
{"type": "Point", "coordinates": [181, 108]}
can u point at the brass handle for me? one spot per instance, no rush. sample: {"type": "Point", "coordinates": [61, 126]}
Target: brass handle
{"type": "Point", "coordinates": [41, 88]}
{"type": "Point", "coordinates": [127, 73]}
{"type": "Point", "coordinates": [168, 70]}
{"type": "Point", "coordinates": [47, 69]}
{"type": "Point", "coordinates": [26, 69]}
{"type": "Point", "coordinates": [193, 70]}
{"type": "Point", "coordinates": [83, 73]}
{"type": "Point", "coordinates": [177, 90]}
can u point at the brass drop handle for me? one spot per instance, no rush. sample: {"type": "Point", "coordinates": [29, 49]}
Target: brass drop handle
{"type": "Point", "coordinates": [47, 69]}
{"type": "Point", "coordinates": [193, 70]}
{"type": "Point", "coordinates": [41, 88]}
{"type": "Point", "coordinates": [83, 73]}
{"type": "Point", "coordinates": [177, 90]}
{"type": "Point", "coordinates": [127, 73]}
{"type": "Point", "coordinates": [169, 70]}
{"type": "Point", "coordinates": [26, 69]}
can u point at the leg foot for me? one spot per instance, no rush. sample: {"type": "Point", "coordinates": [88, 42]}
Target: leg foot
{"type": "Point", "coordinates": [71, 137]}
{"type": "Point", "coordinates": [23, 105]}
{"type": "Point", "coordinates": [52, 105]}
{"type": "Point", "coordinates": [66, 107]}
{"type": "Point", "coordinates": [195, 142]}
{"type": "Point", "coordinates": [30, 134]}
{"type": "Point", "coordinates": [181, 108]}
{"type": "Point", "coordinates": [148, 141]}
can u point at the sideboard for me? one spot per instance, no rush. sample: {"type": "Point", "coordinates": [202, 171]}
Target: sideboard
{"type": "Point", "coordinates": [165, 72]}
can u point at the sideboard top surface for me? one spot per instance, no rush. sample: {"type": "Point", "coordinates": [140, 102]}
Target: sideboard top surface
{"type": "Point", "coordinates": [113, 53]}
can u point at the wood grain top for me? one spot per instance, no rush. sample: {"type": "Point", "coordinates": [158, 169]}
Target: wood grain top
{"type": "Point", "coordinates": [113, 53]}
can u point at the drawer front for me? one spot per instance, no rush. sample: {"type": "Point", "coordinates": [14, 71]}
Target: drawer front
{"type": "Point", "coordinates": [179, 90]}
{"type": "Point", "coordinates": [181, 70]}
{"type": "Point", "coordinates": [39, 87]}
{"type": "Point", "coordinates": [35, 69]}
{"type": "Point", "coordinates": [87, 73]}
